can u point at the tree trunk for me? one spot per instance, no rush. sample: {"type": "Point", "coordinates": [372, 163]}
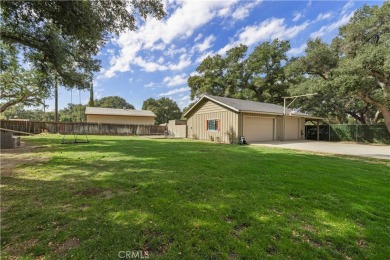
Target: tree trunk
{"type": "Point", "coordinates": [10, 103]}
{"type": "Point", "coordinates": [382, 108]}
{"type": "Point", "coordinates": [357, 117]}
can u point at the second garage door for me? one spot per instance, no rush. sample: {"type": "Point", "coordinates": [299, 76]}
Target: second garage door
{"type": "Point", "coordinates": [258, 129]}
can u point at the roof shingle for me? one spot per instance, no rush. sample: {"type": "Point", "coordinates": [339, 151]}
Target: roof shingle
{"type": "Point", "coordinates": [251, 106]}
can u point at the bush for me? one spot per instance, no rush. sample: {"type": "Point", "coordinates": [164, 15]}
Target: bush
{"type": "Point", "coordinates": [232, 135]}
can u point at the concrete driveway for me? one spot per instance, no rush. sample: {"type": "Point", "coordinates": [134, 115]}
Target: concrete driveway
{"type": "Point", "coordinates": [364, 150]}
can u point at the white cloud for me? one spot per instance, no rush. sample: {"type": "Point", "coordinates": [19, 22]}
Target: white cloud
{"type": "Point", "coordinates": [243, 10]}
{"type": "Point", "coordinates": [184, 62]}
{"type": "Point", "coordinates": [298, 50]}
{"type": "Point", "coordinates": [206, 44]}
{"type": "Point", "coordinates": [297, 16]}
{"type": "Point", "coordinates": [204, 56]}
{"type": "Point", "coordinates": [150, 85]}
{"type": "Point", "coordinates": [149, 66]}
{"type": "Point", "coordinates": [346, 7]}
{"type": "Point", "coordinates": [197, 38]}
{"type": "Point", "coordinates": [111, 51]}
{"type": "Point", "coordinates": [158, 47]}
{"type": "Point", "coordinates": [269, 29]}
{"type": "Point", "coordinates": [224, 12]}
{"type": "Point", "coordinates": [184, 101]}
{"type": "Point", "coordinates": [185, 18]}
{"type": "Point", "coordinates": [172, 51]}
{"type": "Point", "coordinates": [184, 98]}
{"type": "Point", "coordinates": [161, 60]}
{"type": "Point", "coordinates": [331, 27]}
{"type": "Point", "coordinates": [325, 16]}
{"type": "Point", "coordinates": [176, 80]}
{"type": "Point", "coordinates": [174, 91]}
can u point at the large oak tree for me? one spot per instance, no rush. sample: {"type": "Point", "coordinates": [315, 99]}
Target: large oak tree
{"type": "Point", "coordinates": [62, 37]}
{"type": "Point", "coordinates": [351, 75]}
{"type": "Point", "coordinates": [257, 76]}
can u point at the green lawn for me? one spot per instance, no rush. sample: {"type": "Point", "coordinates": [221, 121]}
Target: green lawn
{"type": "Point", "coordinates": [193, 200]}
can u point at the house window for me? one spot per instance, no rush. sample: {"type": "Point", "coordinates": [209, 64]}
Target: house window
{"type": "Point", "coordinates": [213, 125]}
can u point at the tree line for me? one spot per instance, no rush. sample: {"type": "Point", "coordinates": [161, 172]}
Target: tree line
{"type": "Point", "coordinates": [164, 108]}
{"type": "Point", "coordinates": [351, 75]}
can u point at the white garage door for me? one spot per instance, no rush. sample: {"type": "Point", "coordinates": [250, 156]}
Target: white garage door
{"type": "Point", "coordinates": [258, 129]}
{"type": "Point", "coordinates": [292, 129]}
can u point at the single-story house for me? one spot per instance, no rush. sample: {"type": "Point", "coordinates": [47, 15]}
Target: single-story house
{"type": "Point", "coordinates": [227, 119]}
{"type": "Point", "coordinates": [119, 116]}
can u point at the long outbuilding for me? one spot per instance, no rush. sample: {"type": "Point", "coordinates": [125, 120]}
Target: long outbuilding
{"type": "Point", "coordinates": [227, 119]}
{"type": "Point", "coordinates": [119, 116]}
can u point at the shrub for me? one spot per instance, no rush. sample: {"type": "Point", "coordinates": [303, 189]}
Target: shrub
{"type": "Point", "coordinates": [232, 135]}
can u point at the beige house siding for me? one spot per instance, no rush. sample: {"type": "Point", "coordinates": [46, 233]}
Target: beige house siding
{"type": "Point", "coordinates": [294, 128]}
{"type": "Point", "coordinates": [301, 128]}
{"type": "Point", "coordinates": [229, 119]}
{"type": "Point", "coordinates": [279, 128]}
{"type": "Point", "coordinates": [177, 128]}
{"type": "Point", "coordinates": [127, 120]}
{"type": "Point", "coordinates": [196, 123]}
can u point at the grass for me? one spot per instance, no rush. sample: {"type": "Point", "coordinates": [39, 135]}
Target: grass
{"type": "Point", "coordinates": [192, 200]}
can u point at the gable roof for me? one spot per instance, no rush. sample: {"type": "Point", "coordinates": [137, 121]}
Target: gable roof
{"type": "Point", "coordinates": [117, 112]}
{"type": "Point", "coordinates": [240, 105]}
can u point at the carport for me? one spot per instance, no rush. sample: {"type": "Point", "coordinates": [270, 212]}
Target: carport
{"type": "Point", "coordinates": [316, 121]}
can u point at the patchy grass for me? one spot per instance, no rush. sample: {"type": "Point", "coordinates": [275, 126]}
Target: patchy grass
{"type": "Point", "coordinates": [192, 200]}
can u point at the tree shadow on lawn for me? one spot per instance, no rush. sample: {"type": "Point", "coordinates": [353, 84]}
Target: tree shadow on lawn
{"type": "Point", "coordinates": [193, 201]}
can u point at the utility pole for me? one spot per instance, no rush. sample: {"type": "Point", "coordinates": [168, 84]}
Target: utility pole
{"type": "Point", "coordinates": [56, 103]}
{"type": "Point", "coordinates": [91, 102]}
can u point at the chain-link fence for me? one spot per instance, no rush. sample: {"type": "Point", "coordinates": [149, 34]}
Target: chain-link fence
{"type": "Point", "coordinates": [352, 133]}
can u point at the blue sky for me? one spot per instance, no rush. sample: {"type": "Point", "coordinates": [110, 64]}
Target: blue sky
{"type": "Point", "coordinates": [156, 60]}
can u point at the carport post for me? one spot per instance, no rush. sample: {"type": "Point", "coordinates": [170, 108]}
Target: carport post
{"type": "Point", "coordinates": [318, 130]}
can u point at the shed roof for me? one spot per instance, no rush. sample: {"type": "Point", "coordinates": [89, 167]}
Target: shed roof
{"type": "Point", "coordinates": [118, 112]}
{"type": "Point", "coordinates": [240, 105]}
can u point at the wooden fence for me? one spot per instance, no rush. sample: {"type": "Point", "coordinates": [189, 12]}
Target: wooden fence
{"type": "Point", "coordinates": [37, 127]}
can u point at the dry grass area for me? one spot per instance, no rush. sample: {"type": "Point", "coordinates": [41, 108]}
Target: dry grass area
{"type": "Point", "coordinates": [27, 153]}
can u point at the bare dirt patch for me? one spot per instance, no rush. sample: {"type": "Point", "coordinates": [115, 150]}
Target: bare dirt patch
{"type": "Point", "coordinates": [70, 243]}
{"type": "Point", "coordinates": [25, 154]}
{"type": "Point", "coordinates": [90, 192]}
{"type": "Point", "coordinates": [18, 249]}
{"type": "Point", "coordinates": [239, 229]}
